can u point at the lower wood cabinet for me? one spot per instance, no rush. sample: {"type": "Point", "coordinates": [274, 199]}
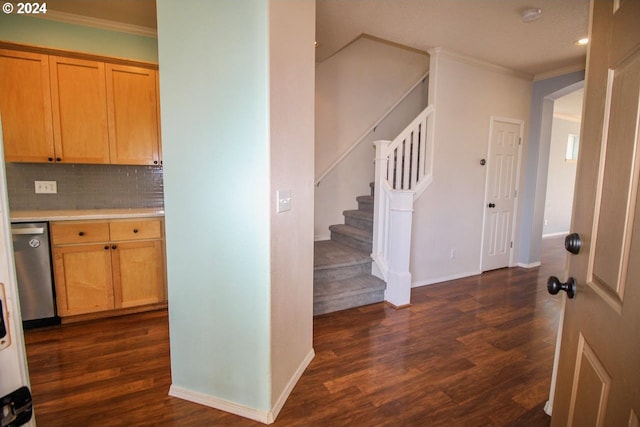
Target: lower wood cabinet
{"type": "Point", "coordinates": [107, 265]}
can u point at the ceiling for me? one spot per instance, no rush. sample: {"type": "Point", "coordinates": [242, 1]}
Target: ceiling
{"type": "Point", "coordinates": [489, 30]}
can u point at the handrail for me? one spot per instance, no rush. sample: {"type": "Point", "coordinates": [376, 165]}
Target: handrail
{"type": "Point", "coordinates": [370, 129]}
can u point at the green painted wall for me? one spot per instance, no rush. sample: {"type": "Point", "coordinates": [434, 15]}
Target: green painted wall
{"type": "Point", "coordinates": [43, 32]}
{"type": "Point", "coordinates": [215, 111]}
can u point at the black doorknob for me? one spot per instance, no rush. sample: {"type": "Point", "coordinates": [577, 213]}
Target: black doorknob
{"type": "Point", "coordinates": [572, 243]}
{"type": "Point", "coordinates": [554, 285]}
{"type": "Point", "coordinates": [491, 205]}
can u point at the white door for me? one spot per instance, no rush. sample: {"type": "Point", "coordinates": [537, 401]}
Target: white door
{"type": "Point", "coordinates": [13, 361]}
{"type": "Point", "coordinates": [598, 382]}
{"type": "Point", "coordinates": [501, 187]}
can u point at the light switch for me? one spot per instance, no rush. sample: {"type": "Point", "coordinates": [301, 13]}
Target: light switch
{"type": "Point", "coordinates": [284, 200]}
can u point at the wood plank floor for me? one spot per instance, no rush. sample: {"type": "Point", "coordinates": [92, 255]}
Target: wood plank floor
{"type": "Point", "coordinates": [471, 352]}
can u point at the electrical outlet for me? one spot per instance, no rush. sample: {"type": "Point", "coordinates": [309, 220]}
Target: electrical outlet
{"type": "Point", "coordinates": [46, 187]}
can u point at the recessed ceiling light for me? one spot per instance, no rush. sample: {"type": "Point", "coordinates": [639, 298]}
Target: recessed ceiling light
{"type": "Point", "coordinates": [583, 41]}
{"type": "Point", "coordinates": [530, 15]}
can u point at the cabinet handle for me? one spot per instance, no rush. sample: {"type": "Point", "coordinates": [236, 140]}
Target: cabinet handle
{"type": "Point", "coordinates": [135, 230]}
{"type": "Point", "coordinates": [81, 233]}
{"type": "Point", "coordinates": [114, 247]}
{"type": "Point", "coordinates": [106, 247]}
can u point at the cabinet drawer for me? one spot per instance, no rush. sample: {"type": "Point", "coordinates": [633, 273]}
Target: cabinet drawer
{"type": "Point", "coordinates": [85, 232]}
{"type": "Point", "coordinates": [135, 230]}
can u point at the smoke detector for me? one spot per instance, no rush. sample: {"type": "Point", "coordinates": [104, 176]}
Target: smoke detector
{"type": "Point", "coordinates": [530, 15]}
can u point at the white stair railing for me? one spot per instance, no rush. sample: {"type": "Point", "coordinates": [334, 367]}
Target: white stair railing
{"type": "Point", "coordinates": [403, 170]}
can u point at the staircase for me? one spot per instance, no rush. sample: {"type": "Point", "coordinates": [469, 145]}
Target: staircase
{"type": "Point", "coordinates": [342, 266]}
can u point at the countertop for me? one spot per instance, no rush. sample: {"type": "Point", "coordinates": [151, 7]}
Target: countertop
{"type": "Point", "coordinates": [80, 214]}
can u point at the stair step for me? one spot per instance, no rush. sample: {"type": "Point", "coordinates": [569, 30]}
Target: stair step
{"type": "Point", "coordinates": [334, 261]}
{"type": "Point", "coordinates": [352, 236]}
{"type": "Point", "coordinates": [365, 203]}
{"type": "Point", "coordinates": [342, 294]}
{"type": "Point", "coordinates": [359, 219]}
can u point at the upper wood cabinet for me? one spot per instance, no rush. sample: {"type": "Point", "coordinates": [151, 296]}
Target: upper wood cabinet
{"type": "Point", "coordinates": [25, 106]}
{"type": "Point", "coordinates": [78, 94]}
{"type": "Point", "coordinates": [132, 102]}
{"type": "Point", "coordinates": [77, 108]}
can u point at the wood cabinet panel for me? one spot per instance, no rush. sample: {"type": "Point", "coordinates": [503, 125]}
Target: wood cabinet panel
{"type": "Point", "coordinates": [125, 270]}
{"type": "Point", "coordinates": [135, 230]}
{"type": "Point", "coordinates": [83, 279]}
{"type": "Point", "coordinates": [79, 232]}
{"type": "Point", "coordinates": [25, 105]}
{"type": "Point", "coordinates": [138, 273]}
{"type": "Point", "coordinates": [78, 94]}
{"type": "Point", "coordinates": [132, 101]}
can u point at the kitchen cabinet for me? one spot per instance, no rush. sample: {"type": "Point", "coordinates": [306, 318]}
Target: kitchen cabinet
{"type": "Point", "coordinates": [78, 95]}
{"type": "Point", "coordinates": [25, 106]}
{"type": "Point", "coordinates": [108, 265]}
{"type": "Point", "coordinates": [132, 101]}
{"type": "Point", "coordinates": [74, 108]}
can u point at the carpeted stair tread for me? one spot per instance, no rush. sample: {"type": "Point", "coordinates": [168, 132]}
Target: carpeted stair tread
{"type": "Point", "coordinates": [330, 254]}
{"type": "Point", "coordinates": [353, 232]}
{"type": "Point", "coordinates": [348, 287]}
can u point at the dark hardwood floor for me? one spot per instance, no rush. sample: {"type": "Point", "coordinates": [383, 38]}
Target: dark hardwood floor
{"type": "Point", "coordinates": [471, 352]}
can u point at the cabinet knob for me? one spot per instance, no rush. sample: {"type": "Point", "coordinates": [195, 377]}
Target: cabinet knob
{"type": "Point", "coordinates": [114, 247]}
{"type": "Point", "coordinates": [58, 159]}
{"type": "Point", "coordinates": [155, 162]}
{"type": "Point", "coordinates": [50, 159]}
{"type": "Point", "coordinates": [81, 233]}
{"type": "Point", "coordinates": [106, 247]}
{"type": "Point", "coordinates": [135, 230]}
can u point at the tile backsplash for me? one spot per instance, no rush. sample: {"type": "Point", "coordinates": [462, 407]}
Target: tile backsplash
{"type": "Point", "coordinates": [85, 186]}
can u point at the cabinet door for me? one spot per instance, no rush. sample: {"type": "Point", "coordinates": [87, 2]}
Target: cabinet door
{"type": "Point", "coordinates": [25, 105]}
{"type": "Point", "coordinates": [78, 92]}
{"type": "Point", "coordinates": [133, 115]}
{"type": "Point", "coordinates": [138, 273]}
{"type": "Point", "coordinates": [83, 279]}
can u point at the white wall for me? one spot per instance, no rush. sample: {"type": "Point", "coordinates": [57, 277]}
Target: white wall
{"type": "Point", "coordinates": [337, 192]}
{"type": "Point", "coordinates": [561, 179]}
{"type": "Point", "coordinates": [449, 214]}
{"type": "Point", "coordinates": [291, 36]}
{"type": "Point", "coordinates": [354, 88]}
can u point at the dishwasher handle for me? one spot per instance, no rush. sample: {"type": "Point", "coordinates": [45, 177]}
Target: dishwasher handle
{"type": "Point", "coordinates": [27, 231]}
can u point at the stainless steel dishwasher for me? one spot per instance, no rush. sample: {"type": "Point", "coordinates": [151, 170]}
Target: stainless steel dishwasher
{"type": "Point", "coordinates": [33, 269]}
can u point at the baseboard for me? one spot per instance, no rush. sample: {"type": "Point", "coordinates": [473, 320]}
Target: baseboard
{"type": "Point", "coordinates": [290, 385]}
{"type": "Point", "coordinates": [531, 265]}
{"type": "Point", "coordinates": [548, 407]}
{"type": "Point", "coordinates": [445, 278]}
{"type": "Point", "coordinates": [320, 237]}
{"type": "Point", "coordinates": [265, 417]}
{"type": "Point", "coordinates": [218, 403]}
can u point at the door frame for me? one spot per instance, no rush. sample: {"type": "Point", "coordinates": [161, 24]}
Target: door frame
{"type": "Point", "coordinates": [520, 123]}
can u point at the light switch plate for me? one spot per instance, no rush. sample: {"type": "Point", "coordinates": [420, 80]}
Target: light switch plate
{"type": "Point", "coordinates": [284, 200]}
{"type": "Point", "coordinates": [46, 187]}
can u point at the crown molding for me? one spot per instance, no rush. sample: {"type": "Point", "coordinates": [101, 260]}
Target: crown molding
{"type": "Point", "coordinates": [578, 66]}
{"type": "Point", "coordinates": [479, 63]}
{"type": "Point", "coordinates": [103, 24]}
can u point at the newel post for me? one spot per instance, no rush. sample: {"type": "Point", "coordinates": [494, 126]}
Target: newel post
{"type": "Point", "coordinates": [398, 291]}
{"type": "Point", "coordinates": [381, 164]}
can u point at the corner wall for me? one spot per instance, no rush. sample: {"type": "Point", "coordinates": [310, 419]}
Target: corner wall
{"type": "Point", "coordinates": [449, 215]}
{"type": "Point", "coordinates": [237, 106]}
{"type": "Point", "coordinates": [291, 96]}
